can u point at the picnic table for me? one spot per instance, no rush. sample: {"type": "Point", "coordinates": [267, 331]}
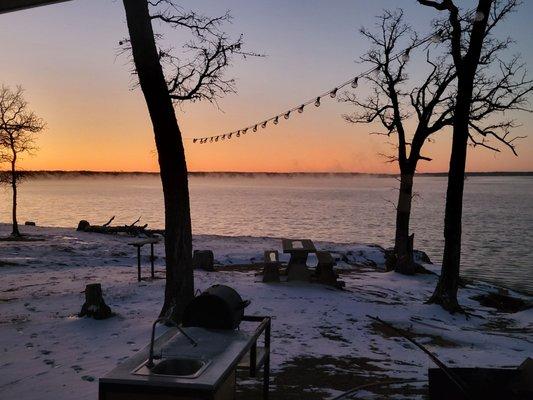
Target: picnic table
{"type": "Point", "coordinates": [299, 250]}
{"type": "Point", "coordinates": [139, 244]}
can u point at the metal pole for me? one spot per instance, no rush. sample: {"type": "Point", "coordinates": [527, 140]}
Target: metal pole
{"type": "Point", "coordinates": [266, 374]}
{"type": "Point", "coordinates": [253, 359]}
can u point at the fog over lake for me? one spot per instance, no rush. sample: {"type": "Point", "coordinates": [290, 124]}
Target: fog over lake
{"type": "Point", "coordinates": [497, 221]}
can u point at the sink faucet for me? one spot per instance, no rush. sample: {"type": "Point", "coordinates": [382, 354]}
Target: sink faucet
{"type": "Point", "coordinates": [150, 364]}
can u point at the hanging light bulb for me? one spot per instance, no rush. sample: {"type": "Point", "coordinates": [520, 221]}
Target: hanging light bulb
{"type": "Point", "coordinates": [355, 83]}
{"type": "Point", "coordinates": [264, 124]}
{"type": "Point", "coordinates": [255, 128]}
{"type": "Point", "coordinates": [437, 37]}
{"type": "Point", "coordinates": [479, 16]}
{"type": "Point", "coordinates": [230, 135]}
{"type": "Point", "coordinates": [276, 120]}
{"type": "Point", "coordinates": [301, 108]}
{"type": "Point", "coordinates": [333, 93]}
{"type": "Point", "coordinates": [317, 102]}
{"type": "Point", "coordinates": [194, 140]}
{"type": "Point", "coordinates": [211, 139]}
{"type": "Point", "coordinates": [406, 56]}
{"type": "Point", "coordinates": [238, 134]}
{"type": "Point", "coordinates": [216, 139]}
{"type": "Point", "coordinates": [286, 115]}
{"type": "Point", "coordinates": [244, 131]}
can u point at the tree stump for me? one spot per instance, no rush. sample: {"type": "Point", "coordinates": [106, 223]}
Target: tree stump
{"type": "Point", "coordinates": [95, 306]}
{"type": "Point", "coordinates": [203, 259]}
{"type": "Point", "coordinates": [83, 225]}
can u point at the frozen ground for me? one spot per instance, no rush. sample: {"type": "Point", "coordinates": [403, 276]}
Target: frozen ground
{"type": "Point", "coordinates": [322, 340]}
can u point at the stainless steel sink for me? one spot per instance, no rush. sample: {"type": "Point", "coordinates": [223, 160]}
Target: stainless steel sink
{"type": "Point", "coordinates": [176, 367]}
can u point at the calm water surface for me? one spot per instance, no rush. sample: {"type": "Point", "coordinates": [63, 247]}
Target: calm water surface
{"type": "Point", "coordinates": [497, 224]}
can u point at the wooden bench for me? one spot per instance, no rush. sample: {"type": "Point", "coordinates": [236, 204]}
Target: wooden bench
{"type": "Point", "coordinates": [271, 266]}
{"type": "Point", "coordinates": [324, 270]}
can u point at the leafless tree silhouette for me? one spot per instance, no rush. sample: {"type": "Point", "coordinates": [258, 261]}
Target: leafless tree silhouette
{"type": "Point", "coordinates": [489, 85]}
{"type": "Point", "coordinates": [391, 103]}
{"type": "Point", "coordinates": [18, 127]}
{"type": "Point", "coordinates": [193, 72]}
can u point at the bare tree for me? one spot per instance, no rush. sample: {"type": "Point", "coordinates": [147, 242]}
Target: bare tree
{"type": "Point", "coordinates": [18, 126]}
{"type": "Point", "coordinates": [391, 103]}
{"type": "Point", "coordinates": [488, 87]}
{"type": "Point", "coordinates": [191, 73]}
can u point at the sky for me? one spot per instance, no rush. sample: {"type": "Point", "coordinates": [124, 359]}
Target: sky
{"type": "Point", "coordinates": [66, 57]}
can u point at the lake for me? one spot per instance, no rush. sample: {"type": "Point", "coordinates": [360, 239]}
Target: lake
{"type": "Point", "coordinates": [497, 223]}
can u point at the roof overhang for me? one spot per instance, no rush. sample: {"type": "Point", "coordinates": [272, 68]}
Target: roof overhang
{"type": "Point", "coordinates": [15, 5]}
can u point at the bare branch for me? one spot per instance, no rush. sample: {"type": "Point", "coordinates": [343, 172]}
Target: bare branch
{"type": "Point", "coordinates": [196, 70]}
{"type": "Point", "coordinates": [18, 126]}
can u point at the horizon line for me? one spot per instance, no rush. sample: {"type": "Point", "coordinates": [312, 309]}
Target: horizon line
{"type": "Point", "coordinates": [93, 172]}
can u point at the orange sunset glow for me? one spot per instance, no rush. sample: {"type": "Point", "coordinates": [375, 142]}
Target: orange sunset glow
{"type": "Point", "coordinates": [97, 119]}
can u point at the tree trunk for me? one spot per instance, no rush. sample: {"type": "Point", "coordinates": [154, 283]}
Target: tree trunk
{"type": "Point", "coordinates": [15, 226]}
{"type": "Point", "coordinates": [179, 287]}
{"type": "Point", "coordinates": [403, 215]}
{"type": "Point", "coordinates": [446, 291]}
{"type": "Point", "coordinates": [95, 306]}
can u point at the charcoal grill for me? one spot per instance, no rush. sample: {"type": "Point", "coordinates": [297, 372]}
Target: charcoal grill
{"type": "Point", "coordinates": [218, 307]}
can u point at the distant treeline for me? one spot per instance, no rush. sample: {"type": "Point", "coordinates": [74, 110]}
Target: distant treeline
{"type": "Point", "coordinates": [74, 174]}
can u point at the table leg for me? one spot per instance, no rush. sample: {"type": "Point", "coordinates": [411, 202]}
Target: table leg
{"type": "Point", "coordinates": [152, 258]}
{"type": "Point", "coordinates": [253, 360]}
{"type": "Point", "coordinates": [266, 374]}
{"type": "Point", "coordinates": [138, 263]}
{"type": "Point", "coordinates": [298, 259]}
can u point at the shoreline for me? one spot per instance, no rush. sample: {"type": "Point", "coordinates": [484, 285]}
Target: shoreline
{"type": "Point", "coordinates": [421, 253]}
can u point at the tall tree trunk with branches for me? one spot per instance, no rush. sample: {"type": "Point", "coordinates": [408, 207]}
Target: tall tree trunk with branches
{"type": "Point", "coordinates": [446, 291]}
{"type": "Point", "coordinates": [167, 75]}
{"type": "Point", "coordinates": [179, 287]}
{"type": "Point", "coordinates": [481, 95]}
{"type": "Point", "coordinates": [18, 126]}
{"type": "Point", "coordinates": [389, 104]}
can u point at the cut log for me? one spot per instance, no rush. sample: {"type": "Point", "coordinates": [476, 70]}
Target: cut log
{"type": "Point", "coordinates": [95, 306]}
{"type": "Point", "coordinates": [132, 230]}
{"type": "Point", "coordinates": [203, 259]}
{"type": "Point", "coordinates": [83, 225]}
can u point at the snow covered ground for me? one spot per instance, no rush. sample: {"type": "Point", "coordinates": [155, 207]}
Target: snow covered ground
{"type": "Point", "coordinates": [47, 352]}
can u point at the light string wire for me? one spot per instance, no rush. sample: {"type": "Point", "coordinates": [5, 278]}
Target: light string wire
{"type": "Point", "coordinates": [434, 37]}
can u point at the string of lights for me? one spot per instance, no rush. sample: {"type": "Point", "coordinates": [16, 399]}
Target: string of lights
{"type": "Point", "coordinates": [332, 93]}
